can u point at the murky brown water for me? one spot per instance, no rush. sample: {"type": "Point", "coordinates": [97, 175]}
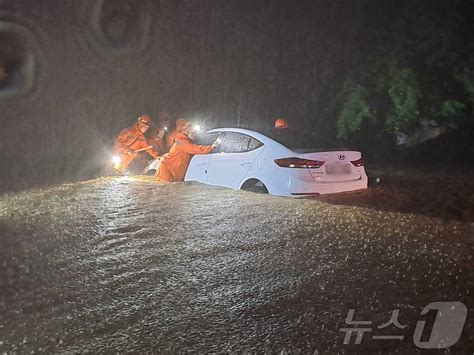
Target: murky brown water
{"type": "Point", "coordinates": [125, 264]}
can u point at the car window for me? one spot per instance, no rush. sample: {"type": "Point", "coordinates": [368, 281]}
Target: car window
{"type": "Point", "coordinates": [231, 142]}
{"type": "Point", "coordinates": [206, 138]}
{"type": "Point", "coordinates": [254, 144]}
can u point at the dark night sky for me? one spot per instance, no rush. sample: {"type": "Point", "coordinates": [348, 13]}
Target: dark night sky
{"type": "Point", "coordinates": [97, 65]}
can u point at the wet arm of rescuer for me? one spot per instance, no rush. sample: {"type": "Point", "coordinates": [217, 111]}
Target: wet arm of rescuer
{"type": "Point", "coordinates": [197, 149]}
{"type": "Point", "coordinates": [152, 152]}
{"type": "Point", "coordinates": [156, 142]}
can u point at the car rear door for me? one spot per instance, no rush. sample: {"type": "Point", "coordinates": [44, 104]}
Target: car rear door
{"type": "Point", "coordinates": [235, 156]}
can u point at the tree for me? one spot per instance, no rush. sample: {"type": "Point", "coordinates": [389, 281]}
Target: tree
{"type": "Point", "coordinates": [404, 94]}
{"type": "Point", "coordinates": [414, 64]}
{"type": "Point", "coordinates": [355, 110]}
{"type": "Point", "coordinates": [392, 103]}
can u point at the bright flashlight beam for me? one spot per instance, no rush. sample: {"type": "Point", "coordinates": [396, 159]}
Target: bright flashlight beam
{"type": "Point", "coordinates": [116, 160]}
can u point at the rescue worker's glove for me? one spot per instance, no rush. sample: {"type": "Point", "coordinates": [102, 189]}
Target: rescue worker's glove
{"type": "Point", "coordinates": [215, 145]}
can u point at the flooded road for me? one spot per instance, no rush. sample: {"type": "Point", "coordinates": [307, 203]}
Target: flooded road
{"type": "Point", "coordinates": [126, 264]}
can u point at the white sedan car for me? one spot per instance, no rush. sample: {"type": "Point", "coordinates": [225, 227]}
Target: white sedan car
{"type": "Point", "coordinates": [250, 160]}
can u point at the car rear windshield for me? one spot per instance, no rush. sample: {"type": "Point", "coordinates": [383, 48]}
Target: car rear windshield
{"type": "Point", "coordinates": [304, 141]}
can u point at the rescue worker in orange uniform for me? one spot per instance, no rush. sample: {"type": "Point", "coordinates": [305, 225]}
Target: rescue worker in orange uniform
{"type": "Point", "coordinates": [171, 136]}
{"type": "Point", "coordinates": [173, 165]}
{"type": "Point", "coordinates": [132, 140]}
{"type": "Point", "coordinates": [155, 138]}
{"type": "Point", "coordinates": [282, 133]}
{"type": "Point", "coordinates": [280, 123]}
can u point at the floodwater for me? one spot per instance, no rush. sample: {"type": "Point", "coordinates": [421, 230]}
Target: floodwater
{"type": "Point", "coordinates": [127, 264]}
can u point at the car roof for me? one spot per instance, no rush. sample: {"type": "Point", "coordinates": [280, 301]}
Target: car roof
{"type": "Point", "coordinates": [254, 134]}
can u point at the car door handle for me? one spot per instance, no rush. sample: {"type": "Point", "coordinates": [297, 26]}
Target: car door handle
{"type": "Point", "coordinates": [246, 164]}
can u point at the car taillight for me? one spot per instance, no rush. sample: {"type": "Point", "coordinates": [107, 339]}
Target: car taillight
{"type": "Point", "coordinates": [298, 163]}
{"type": "Point", "coordinates": [358, 162]}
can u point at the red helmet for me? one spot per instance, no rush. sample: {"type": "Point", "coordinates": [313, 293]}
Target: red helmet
{"type": "Point", "coordinates": [144, 119]}
{"type": "Point", "coordinates": [281, 123]}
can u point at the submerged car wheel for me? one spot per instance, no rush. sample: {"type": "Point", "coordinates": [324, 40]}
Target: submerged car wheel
{"type": "Point", "coordinates": [254, 185]}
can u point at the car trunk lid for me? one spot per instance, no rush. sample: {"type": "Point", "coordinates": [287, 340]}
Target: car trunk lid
{"type": "Point", "coordinates": [338, 165]}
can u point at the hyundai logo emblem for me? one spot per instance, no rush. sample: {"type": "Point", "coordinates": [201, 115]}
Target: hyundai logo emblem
{"type": "Point", "coordinates": [341, 157]}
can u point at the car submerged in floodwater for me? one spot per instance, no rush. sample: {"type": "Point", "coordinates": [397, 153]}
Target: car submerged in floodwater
{"type": "Point", "coordinates": [250, 160]}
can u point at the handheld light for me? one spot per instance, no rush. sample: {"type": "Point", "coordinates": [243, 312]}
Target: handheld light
{"type": "Point", "coordinates": [116, 160]}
